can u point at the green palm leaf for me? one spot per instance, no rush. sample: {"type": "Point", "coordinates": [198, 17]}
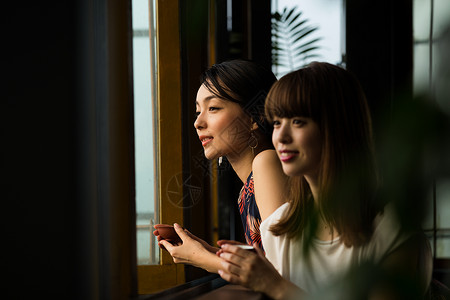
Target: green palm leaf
{"type": "Point", "coordinates": [293, 42]}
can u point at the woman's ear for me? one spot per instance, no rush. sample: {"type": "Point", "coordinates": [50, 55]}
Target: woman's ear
{"type": "Point", "coordinates": [254, 125]}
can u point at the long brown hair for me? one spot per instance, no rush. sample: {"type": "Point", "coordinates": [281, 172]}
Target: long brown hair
{"type": "Point", "coordinates": [348, 179]}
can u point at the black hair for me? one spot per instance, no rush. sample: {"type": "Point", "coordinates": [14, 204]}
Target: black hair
{"type": "Point", "coordinates": [244, 82]}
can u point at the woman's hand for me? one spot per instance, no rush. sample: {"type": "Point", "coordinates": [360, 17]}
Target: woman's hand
{"type": "Point", "coordinates": [229, 242]}
{"type": "Point", "coordinates": [254, 271]}
{"type": "Point", "coordinates": [191, 250]}
{"type": "Point", "coordinates": [205, 244]}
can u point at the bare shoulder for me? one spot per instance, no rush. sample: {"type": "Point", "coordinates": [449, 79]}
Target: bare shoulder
{"type": "Point", "coordinates": [270, 182]}
{"type": "Point", "coordinates": [266, 159]}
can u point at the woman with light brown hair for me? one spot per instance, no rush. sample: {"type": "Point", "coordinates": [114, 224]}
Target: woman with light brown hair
{"type": "Point", "coordinates": [333, 222]}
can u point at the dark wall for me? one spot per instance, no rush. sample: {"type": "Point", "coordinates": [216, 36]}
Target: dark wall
{"type": "Point", "coordinates": [194, 16]}
{"type": "Point", "coordinates": [379, 40]}
{"type": "Point", "coordinates": [66, 134]}
{"type": "Point", "coordinates": [37, 137]}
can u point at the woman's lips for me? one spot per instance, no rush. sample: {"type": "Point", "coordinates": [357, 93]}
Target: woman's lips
{"type": "Point", "coordinates": [287, 155]}
{"type": "Point", "coordinates": [205, 139]}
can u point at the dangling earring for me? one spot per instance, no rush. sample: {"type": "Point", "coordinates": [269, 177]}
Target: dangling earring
{"type": "Point", "coordinates": [253, 142]}
{"type": "Point", "coordinates": [220, 160]}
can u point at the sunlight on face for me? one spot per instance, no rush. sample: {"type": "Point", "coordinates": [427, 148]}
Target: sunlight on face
{"type": "Point", "coordinates": [222, 126]}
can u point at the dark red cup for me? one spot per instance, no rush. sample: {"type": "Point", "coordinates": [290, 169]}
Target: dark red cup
{"type": "Point", "coordinates": [168, 233]}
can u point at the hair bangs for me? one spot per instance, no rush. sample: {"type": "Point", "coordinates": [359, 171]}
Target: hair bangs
{"type": "Point", "coordinates": [212, 80]}
{"type": "Point", "coordinates": [289, 98]}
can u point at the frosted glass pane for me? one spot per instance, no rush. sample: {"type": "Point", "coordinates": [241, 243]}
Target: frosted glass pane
{"type": "Point", "coordinates": [422, 13]}
{"type": "Point", "coordinates": [421, 68]}
{"type": "Point", "coordinates": [443, 203]}
{"type": "Point", "coordinates": [144, 128]}
{"type": "Point", "coordinates": [140, 14]}
{"type": "Point", "coordinates": [441, 16]}
{"type": "Point", "coordinates": [421, 19]}
{"type": "Point", "coordinates": [443, 247]}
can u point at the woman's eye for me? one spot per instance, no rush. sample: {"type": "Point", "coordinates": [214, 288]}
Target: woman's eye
{"type": "Point", "coordinates": [213, 108]}
{"type": "Point", "coordinates": [298, 122]}
{"type": "Point", "coordinates": [197, 113]}
{"type": "Point", "coordinates": [275, 123]}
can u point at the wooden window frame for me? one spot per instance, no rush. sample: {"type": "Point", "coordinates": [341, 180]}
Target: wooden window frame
{"type": "Point", "coordinates": [153, 278]}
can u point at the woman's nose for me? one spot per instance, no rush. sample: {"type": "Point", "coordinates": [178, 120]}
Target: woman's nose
{"type": "Point", "coordinates": [199, 122]}
{"type": "Point", "coordinates": [283, 134]}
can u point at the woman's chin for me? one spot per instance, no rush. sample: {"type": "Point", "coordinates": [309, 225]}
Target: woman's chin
{"type": "Point", "coordinates": [289, 171]}
{"type": "Point", "coordinates": [211, 156]}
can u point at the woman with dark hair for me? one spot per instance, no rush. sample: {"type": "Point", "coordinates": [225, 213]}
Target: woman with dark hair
{"type": "Point", "coordinates": [333, 221]}
{"type": "Point", "coordinates": [230, 123]}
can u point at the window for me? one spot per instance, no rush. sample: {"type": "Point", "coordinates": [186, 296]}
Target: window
{"type": "Point", "coordinates": [144, 82]}
{"type": "Point", "coordinates": [157, 136]}
{"type": "Point", "coordinates": [430, 21]}
{"type": "Point", "coordinates": [321, 14]}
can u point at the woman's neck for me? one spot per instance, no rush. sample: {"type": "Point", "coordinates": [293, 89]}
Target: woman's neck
{"type": "Point", "coordinates": [242, 164]}
{"type": "Point", "coordinates": [313, 183]}
{"type": "Point", "coordinates": [324, 231]}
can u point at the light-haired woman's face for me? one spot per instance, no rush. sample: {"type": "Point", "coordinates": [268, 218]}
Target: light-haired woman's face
{"type": "Point", "coordinates": [298, 144]}
{"type": "Point", "coordinates": [222, 126]}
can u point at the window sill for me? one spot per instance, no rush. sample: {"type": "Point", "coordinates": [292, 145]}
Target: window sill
{"type": "Point", "coordinates": [208, 287]}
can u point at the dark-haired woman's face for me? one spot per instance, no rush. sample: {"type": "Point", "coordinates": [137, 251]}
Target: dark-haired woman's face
{"type": "Point", "coordinates": [222, 126]}
{"type": "Point", "coordinates": [298, 144]}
